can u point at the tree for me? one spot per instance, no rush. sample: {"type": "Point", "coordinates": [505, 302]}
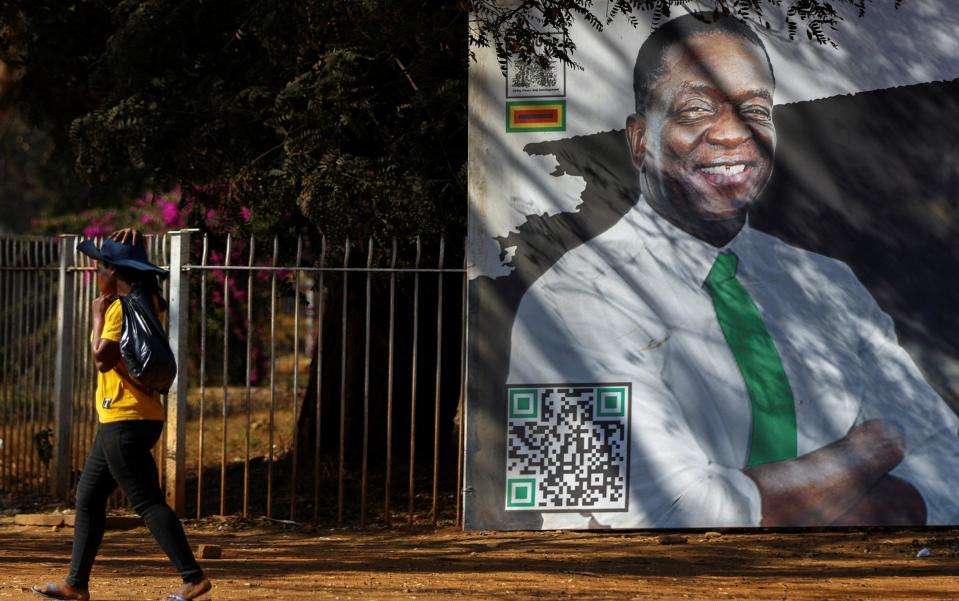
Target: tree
{"type": "Point", "coordinates": [540, 29]}
{"type": "Point", "coordinates": [350, 114]}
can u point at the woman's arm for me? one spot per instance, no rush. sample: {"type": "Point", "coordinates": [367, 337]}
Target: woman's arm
{"type": "Point", "coordinates": [106, 353]}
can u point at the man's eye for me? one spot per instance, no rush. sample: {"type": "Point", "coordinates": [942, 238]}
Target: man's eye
{"type": "Point", "coordinates": [756, 112]}
{"type": "Point", "coordinates": [693, 111]}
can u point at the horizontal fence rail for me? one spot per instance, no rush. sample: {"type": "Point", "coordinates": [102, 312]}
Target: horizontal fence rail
{"type": "Point", "coordinates": [311, 376]}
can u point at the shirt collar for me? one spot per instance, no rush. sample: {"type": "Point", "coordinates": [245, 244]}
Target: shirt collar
{"type": "Point", "coordinates": [686, 256]}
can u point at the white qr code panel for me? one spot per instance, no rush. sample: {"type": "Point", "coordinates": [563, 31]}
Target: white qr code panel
{"type": "Point", "coordinates": [567, 447]}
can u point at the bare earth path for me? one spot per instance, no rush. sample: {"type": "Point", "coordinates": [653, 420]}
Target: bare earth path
{"type": "Point", "coordinates": [263, 562]}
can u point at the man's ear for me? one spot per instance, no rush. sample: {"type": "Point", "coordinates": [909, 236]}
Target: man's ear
{"type": "Point", "coordinates": [636, 138]}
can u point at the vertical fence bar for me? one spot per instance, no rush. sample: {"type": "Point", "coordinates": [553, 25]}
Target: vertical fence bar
{"type": "Point", "coordinates": [33, 369]}
{"type": "Point", "coordinates": [63, 366]}
{"type": "Point", "coordinates": [164, 244]}
{"type": "Point", "coordinates": [249, 374]}
{"type": "Point", "coordinates": [176, 397]}
{"type": "Point", "coordinates": [366, 383]}
{"type": "Point", "coordinates": [15, 354]}
{"type": "Point", "coordinates": [296, 374]}
{"type": "Point", "coordinates": [48, 343]}
{"type": "Point", "coordinates": [201, 431]}
{"type": "Point", "coordinates": [389, 389]}
{"type": "Point", "coordinates": [85, 411]}
{"type": "Point", "coordinates": [22, 443]}
{"type": "Point", "coordinates": [80, 368]}
{"type": "Point", "coordinates": [41, 399]}
{"type": "Point", "coordinates": [317, 449]}
{"type": "Point", "coordinates": [416, 314]}
{"type": "Point", "coordinates": [460, 410]}
{"type": "Point", "coordinates": [11, 370]}
{"type": "Point", "coordinates": [11, 442]}
{"type": "Point", "coordinates": [5, 363]}
{"type": "Point", "coordinates": [89, 290]}
{"type": "Point", "coordinates": [342, 468]}
{"type": "Point", "coordinates": [77, 350]}
{"type": "Point", "coordinates": [269, 467]}
{"type": "Point", "coordinates": [159, 450]}
{"type": "Point", "coordinates": [436, 400]}
{"type": "Point", "coordinates": [28, 367]}
{"type": "Point", "coordinates": [6, 294]}
{"type": "Point", "coordinates": [44, 344]}
{"type": "Point", "coordinates": [37, 368]}
{"type": "Point", "coordinates": [226, 372]}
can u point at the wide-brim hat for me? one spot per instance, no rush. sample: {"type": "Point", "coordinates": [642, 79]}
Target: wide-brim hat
{"type": "Point", "coordinates": [132, 256]}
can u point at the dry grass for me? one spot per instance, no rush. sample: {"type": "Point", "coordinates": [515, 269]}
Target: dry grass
{"type": "Point", "coordinates": [243, 408]}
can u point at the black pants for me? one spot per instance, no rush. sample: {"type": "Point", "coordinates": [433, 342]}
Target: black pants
{"type": "Point", "coordinates": [121, 455]}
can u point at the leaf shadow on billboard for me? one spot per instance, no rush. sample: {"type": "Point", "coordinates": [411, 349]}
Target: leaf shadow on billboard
{"type": "Point", "coordinates": [869, 179]}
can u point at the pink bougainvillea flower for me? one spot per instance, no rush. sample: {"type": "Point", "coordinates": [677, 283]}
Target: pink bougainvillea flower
{"type": "Point", "coordinates": [245, 213]}
{"type": "Point", "coordinates": [212, 218]}
{"type": "Point", "coordinates": [170, 213]}
{"type": "Point", "coordinates": [93, 230]}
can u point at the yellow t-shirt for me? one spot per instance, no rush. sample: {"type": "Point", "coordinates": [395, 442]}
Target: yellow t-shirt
{"type": "Point", "coordinates": [119, 398]}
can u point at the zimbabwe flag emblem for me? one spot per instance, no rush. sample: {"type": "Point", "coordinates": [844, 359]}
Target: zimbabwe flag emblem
{"type": "Point", "coordinates": [536, 115]}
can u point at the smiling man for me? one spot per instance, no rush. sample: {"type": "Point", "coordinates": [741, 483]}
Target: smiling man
{"type": "Point", "coordinates": [767, 386]}
{"type": "Point", "coordinates": [702, 135]}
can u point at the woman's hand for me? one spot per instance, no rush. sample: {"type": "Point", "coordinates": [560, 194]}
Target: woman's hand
{"type": "Point", "coordinates": [100, 305]}
{"type": "Point", "coordinates": [127, 235]}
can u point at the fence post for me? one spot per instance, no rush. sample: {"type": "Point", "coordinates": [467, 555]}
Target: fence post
{"type": "Point", "coordinates": [176, 398]}
{"type": "Point", "coordinates": [63, 366]}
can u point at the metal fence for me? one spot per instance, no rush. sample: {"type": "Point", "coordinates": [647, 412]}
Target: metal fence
{"type": "Point", "coordinates": [308, 376]}
{"type": "Point", "coordinates": [28, 296]}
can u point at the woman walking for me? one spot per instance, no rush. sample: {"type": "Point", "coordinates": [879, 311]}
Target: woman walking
{"type": "Point", "coordinates": [131, 420]}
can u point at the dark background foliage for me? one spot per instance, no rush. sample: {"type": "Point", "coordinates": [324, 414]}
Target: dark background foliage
{"type": "Point", "coordinates": [347, 118]}
{"type": "Point", "coordinates": [350, 114]}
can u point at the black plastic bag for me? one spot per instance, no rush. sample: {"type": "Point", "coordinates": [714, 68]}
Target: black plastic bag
{"type": "Point", "coordinates": [144, 346]}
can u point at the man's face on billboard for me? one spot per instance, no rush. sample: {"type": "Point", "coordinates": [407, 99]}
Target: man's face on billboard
{"type": "Point", "coordinates": [707, 138]}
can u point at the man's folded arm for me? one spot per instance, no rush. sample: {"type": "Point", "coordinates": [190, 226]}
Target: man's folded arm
{"type": "Point", "coordinates": [890, 502]}
{"type": "Point", "coordinates": [896, 390]}
{"type": "Point", "coordinates": [820, 487]}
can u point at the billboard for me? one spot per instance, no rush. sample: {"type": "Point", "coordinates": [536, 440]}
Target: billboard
{"type": "Point", "coordinates": [712, 278]}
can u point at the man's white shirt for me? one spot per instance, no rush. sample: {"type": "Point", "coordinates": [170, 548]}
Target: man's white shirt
{"type": "Point", "coordinates": [631, 305]}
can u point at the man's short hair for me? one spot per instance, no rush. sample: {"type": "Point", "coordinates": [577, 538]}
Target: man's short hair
{"type": "Point", "coordinates": [649, 60]}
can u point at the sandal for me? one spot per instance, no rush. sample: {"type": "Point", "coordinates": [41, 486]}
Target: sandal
{"type": "Point", "coordinates": [52, 591]}
{"type": "Point", "coordinates": [194, 591]}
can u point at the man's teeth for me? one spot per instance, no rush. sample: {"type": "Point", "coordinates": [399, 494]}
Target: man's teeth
{"type": "Point", "coordinates": [725, 169]}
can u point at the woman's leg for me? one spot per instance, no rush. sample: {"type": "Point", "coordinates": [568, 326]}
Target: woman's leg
{"type": "Point", "coordinates": [94, 489]}
{"type": "Point", "coordinates": [127, 451]}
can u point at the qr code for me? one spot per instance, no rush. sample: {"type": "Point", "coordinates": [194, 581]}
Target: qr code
{"type": "Point", "coordinates": [567, 447]}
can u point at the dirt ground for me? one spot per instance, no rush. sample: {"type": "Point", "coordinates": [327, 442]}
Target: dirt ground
{"type": "Point", "coordinates": [268, 560]}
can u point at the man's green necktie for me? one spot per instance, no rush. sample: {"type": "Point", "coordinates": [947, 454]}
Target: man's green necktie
{"type": "Point", "coordinates": [773, 409]}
